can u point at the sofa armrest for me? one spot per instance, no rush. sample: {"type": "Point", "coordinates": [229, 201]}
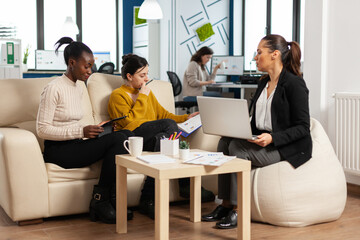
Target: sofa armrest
{"type": "Point", "coordinates": [23, 176]}
{"type": "Point", "coordinates": [200, 140]}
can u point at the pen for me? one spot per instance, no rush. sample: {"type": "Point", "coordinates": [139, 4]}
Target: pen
{"type": "Point", "coordinates": [178, 135]}
{"type": "Point", "coordinates": [174, 136]}
{"type": "Point", "coordinates": [171, 136]}
{"type": "Point", "coordinates": [149, 82]}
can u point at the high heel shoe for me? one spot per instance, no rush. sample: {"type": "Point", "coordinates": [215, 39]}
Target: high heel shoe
{"type": "Point", "coordinates": [100, 206]}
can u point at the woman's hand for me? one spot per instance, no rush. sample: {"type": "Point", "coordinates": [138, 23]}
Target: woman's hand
{"type": "Point", "coordinates": [192, 115]}
{"type": "Point", "coordinates": [144, 89]}
{"type": "Point", "coordinates": [210, 82]}
{"type": "Point", "coordinates": [263, 140]}
{"type": "Point", "coordinates": [92, 131]}
{"type": "Point", "coordinates": [219, 65]}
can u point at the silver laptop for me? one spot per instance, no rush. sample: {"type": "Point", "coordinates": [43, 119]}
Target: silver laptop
{"type": "Point", "coordinates": [228, 117]}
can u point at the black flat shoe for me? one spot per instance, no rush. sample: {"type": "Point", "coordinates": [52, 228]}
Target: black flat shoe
{"type": "Point", "coordinates": [219, 212]}
{"type": "Point", "coordinates": [230, 221]}
{"type": "Point", "coordinates": [147, 207]}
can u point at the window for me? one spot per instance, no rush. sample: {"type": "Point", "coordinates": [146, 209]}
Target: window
{"type": "Point", "coordinates": [99, 26]}
{"type": "Point", "coordinates": [55, 14]}
{"type": "Point", "coordinates": [282, 18]}
{"type": "Point", "coordinates": [24, 20]}
{"type": "Point", "coordinates": [302, 30]}
{"type": "Point", "coordinates": [263, 17]}
{"type": "Point", "coordinates": [255, 29]}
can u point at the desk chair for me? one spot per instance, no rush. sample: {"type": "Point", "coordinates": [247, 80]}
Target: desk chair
{"type": "Point", "coordinates": [107, 67]}
{"type": "Point", "coordinates": [177, 88]}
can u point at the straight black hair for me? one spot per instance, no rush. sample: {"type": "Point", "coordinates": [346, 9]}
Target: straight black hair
{"type": "Point", "coordinates": [73, 50]}
{"type": "Point", "coordinates": [132, 63]}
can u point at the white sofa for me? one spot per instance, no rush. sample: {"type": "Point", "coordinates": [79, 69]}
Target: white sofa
{"type": "Point", "coordinates": [31, 189]}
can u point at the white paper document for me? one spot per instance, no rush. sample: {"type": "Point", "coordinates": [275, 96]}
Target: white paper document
{"type": "Point", "coordinates": [190, 125]}
{"type": "Point", "coordinates": [156, 158]}
{"type": "Point", "coordinates": [209, 158]}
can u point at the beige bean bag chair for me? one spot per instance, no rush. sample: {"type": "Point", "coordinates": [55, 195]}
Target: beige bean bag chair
{"type": "Point", "coordinates": [313, 193]}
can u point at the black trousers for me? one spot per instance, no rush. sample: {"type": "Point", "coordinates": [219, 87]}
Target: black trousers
{"type": "Point", "coordinates": [152, 132]}
{"type": "Point", "coordinates": [80, 153]}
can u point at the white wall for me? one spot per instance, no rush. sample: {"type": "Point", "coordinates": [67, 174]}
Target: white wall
{"type": "Point", "coordinates": [332, 33]}
{"type": "Point", "coordinates": [178, 40]}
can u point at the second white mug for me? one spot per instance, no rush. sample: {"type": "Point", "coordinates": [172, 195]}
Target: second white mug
{"type": "Point", "coordinates": [135, 146]}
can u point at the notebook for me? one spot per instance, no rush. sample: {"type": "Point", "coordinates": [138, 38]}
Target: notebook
{"type": "Point", "coordinates": [228, 117]}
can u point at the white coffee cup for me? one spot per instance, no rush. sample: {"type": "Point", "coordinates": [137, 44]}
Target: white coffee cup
{"type": "Point", "coordinates": [135, 146]}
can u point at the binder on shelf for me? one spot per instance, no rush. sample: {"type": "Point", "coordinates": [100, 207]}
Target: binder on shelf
{"type": "Point", "coordinates": [10, 52]}
{"type": "Point", "coordinates": [17, 54]}
{"type": "Point", "coordinates": [3, 54]}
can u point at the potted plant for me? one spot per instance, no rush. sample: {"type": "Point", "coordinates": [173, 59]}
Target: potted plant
{"type": "Point", "coordinates": [26, 55]}
{"type": "Point", "coordinates": [184, 150]}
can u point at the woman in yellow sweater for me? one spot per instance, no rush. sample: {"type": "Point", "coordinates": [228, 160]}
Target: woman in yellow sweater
{"type": "Point", "coordinates": [146, 118]}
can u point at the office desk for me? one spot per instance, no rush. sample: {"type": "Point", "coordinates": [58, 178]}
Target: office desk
{"type": "Point", "coordinates": [233, 85]}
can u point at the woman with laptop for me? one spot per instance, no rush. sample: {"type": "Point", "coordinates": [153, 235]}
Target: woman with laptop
{"type": "Point", "coordinates": [196, 76]}
{"type": "Point", "coordinates": [72, 144]}
{"type": "Point", "coordinates": [280, 119]}
{"type": "Point", "coordinates": [146, 118]}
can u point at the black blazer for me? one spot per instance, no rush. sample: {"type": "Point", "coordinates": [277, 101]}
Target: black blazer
{"type": "Point", "coordinates": [289, 117]}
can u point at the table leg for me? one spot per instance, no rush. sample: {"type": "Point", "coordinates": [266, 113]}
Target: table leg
{"type": "Point", "coordinates": [161, 209]}
{"type": "Point", "coordinates": [243, 200]}
{"type": "Point", "coordinates": [242, 93]}
{"type": "Point", "coordinates": [121, 199]}
{"type": "Point", "coordinates": [195, 199]}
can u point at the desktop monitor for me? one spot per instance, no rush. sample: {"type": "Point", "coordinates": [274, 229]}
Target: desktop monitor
{"type": "Point", "coordinates": [234, 65]}
{"type": "Point", "coordinates": [49, 60]}
{"type": "Point", "coordinates": [101, 58]}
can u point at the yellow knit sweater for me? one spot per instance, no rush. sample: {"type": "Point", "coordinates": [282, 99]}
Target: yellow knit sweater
{"type": "Point", "coordinates": [144, 109]}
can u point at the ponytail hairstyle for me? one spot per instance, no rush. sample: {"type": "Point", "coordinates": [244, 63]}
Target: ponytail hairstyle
{"type": "Point", "coordinates": [199, 53]}
{"type": "Point", "coordinates": [290, 52]}
{"type": "Point", "coordinates": [131, 63]}
{"type": "Point", "coordinates": [73, 50]}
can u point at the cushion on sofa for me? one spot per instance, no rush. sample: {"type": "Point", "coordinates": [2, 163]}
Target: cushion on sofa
{"type": "Point", "coordinates": [22, 103]}
{"type": "Point", "coordinates": [59, 174]}
{"type": "Point", "coordinates": [100, 86]}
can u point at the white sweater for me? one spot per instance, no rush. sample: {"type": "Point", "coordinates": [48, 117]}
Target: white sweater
{"type": "Point", "coordinates": [60, 111]}
{"type": "Point", "coordinates": [192, 78]}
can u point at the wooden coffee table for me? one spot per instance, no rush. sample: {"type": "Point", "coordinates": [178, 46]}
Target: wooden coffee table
{"type": "Point", "coordinates": [163, 172]}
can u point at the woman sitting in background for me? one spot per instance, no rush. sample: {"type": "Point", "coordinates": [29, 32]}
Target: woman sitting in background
{"type": "Point", "coordinates": [58, 122]}
{"type": "Point", "coordinates": [280, 119]}
{"type": "Point", "coordinates": [146, 118]}
{"type": "Point", "coordinates": [196, 77]}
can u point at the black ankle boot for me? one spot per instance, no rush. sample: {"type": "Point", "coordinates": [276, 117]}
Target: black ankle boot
{"type": "Point", "coordinates": [130, 213]}
{"type": "Point", "coordinates": [100, 206]}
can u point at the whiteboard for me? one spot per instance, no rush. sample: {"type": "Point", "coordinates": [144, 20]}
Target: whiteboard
{"type": "Point", "coordinates": [48, 60]}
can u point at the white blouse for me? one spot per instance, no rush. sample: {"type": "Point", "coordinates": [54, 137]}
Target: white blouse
{"type": "Point", "coordinates": [263, 110]}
